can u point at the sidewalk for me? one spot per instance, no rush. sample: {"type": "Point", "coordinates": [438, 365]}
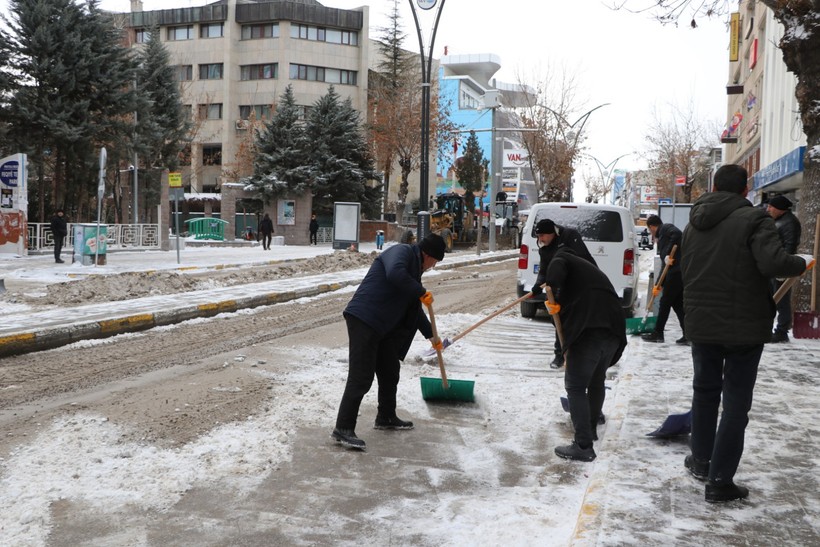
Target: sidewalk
{"type": "Point", "coordinates": [39, 330]}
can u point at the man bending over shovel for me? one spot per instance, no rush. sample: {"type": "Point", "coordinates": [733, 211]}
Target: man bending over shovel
{"type": "Point", "coordinates": [382, 319]}
{"type": "Point", "coordinates": [594, 337]}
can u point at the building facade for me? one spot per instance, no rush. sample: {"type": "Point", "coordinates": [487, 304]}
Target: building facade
{"type": "Point", "coordinates": [234, 59]}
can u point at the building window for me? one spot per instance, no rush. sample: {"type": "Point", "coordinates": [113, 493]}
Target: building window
{"type": "Point", "coordinates": [184, 73]}
{"type": "Point", "coordinates": [211, 30]}
{"type": "Point", "coordinates": [211, 154]}
{"type": "Point", "coordinates": [260, 111]}
{"type": "Point", "coordinates": [303, 112]}
{"type": "Point", "coordinates": [211, 111]}
{"type": "Point", "coordinates": [321, 74]}
{"type": "Point", "coordinates": [267, 71]}
{"type": "Point", "coordinates": [321, 34]}
{"type": "Point", "coordinates": [181, 33]}
{"type": "Point", "coordinates": [211, 71]}
{"type": "Point", "coordinates": [142, 35]}
{"type": "Point", "coordinates": [257, 32]}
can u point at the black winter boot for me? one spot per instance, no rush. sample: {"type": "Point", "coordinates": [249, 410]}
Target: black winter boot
{"type": "Point", "coordinates": [575, 452]}
{"type": "Point", "coordinates": [348, 438]}
{"type": "Point", "coordinates": [720, 493]}
{"type": "Point", "coordinates": [393, 422]}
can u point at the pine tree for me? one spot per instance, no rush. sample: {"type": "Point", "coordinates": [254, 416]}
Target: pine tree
{"type": "Point", "coordinates": [281, 166]}
{"type": "Point", "coordinates": [471, 170]}
{"type": "Point", "coordinates": [71, 94]}
{"type": "Point", "coordinates": [341, 165]}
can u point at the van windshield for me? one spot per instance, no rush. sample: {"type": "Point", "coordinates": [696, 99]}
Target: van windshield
{"type": "Point", "coordinates": [592, 224]}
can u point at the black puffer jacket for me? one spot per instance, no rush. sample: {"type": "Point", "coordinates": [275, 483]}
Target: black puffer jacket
{"type": "Point", "coordinates": [732, 250]}
{"type": "Point", "coordinates": [668, 236]}
{"type": "Point", "coordinates": [388, 298]}
{"type": "Point", "coordinates": [789, 229]}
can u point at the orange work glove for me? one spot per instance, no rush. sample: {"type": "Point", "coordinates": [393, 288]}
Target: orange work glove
{"type": "Point", "coordinates": [438, 345]}
{"type": "Point", "coordinates": [656, 291]}
{"type": "Point", "coordinates": [809, 261]}
{"type": "Point", "coordinates": [553, 308]}
{"type": "Point", "coordinates": [669, 261]}
{"type": "Point", "coordinates": [427, 299]}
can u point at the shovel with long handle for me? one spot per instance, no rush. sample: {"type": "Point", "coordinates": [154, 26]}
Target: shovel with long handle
{"type": "Point", "coordinates": [555, 318]}
{"type": "Point", "coordinates": [438, 351]}
{"type": "Point", "coordinates": [448, 342]}
{"type": "Point", "coordinates": [659, 284]}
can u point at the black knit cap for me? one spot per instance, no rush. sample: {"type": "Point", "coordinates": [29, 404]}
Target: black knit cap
{"type": "Point", "coordinates": [433, 245]}
{"type": "Point", "coordinates": [545, 226]}
{"type": "Point", "coordinates": [780, 202]}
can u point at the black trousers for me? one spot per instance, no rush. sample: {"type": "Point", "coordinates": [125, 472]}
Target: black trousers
{"type": "Point", "coordinates": [586, 364]}
{"type": "Point", "coordinates": [313, 238]}
{"type": "Point", "coordinates": [671, 299]}
{"type": "Point", "coordinates": [266, 239]}
{"type": "Point", "coordinates": [370, 355]}
{"type": "Point", "coordinates": [728, 373]}
{"type": "Point", "coordinates": [58, 246]}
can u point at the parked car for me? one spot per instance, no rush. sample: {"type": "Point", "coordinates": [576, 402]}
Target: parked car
{"type": "Point", "coordinates": [608, 232]}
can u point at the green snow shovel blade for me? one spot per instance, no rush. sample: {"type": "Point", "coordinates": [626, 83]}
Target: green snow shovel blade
{"type": "Point", "coordinates": [456, 390]}
{"type": "Point", "coordinates": [640, 325]}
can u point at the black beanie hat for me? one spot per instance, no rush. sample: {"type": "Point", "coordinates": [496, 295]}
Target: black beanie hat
{"type": "Point", "coordinates": [545, 226]}
{"type": "Point", "coordinates": [433, 245]}
{"type": "Point", "coordinates": [780, 202]}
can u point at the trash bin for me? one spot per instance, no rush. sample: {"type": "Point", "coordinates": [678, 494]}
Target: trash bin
{"type": "Point", "coordinates": [89, 244]}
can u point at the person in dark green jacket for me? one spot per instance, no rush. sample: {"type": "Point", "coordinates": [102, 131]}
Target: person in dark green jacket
{"type": "Point", "coordinates": [732, 250]}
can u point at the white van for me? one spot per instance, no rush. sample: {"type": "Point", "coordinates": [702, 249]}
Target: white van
{"type": "Point", "coordinates": [608, 232]}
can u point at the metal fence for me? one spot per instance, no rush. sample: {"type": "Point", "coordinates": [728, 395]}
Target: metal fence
{"type": "Point", "coordinates": [136, 236]}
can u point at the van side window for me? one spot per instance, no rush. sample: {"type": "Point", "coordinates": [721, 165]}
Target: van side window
{"type": "Point", "coordinates": [604, 226]}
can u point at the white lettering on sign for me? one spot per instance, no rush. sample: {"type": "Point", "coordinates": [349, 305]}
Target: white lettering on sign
{"type": "Point", "coordinates": [8, 173]}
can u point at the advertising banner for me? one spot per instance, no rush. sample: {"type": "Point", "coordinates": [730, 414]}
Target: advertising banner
{"type": "Point", "coordinates": [13, 205]}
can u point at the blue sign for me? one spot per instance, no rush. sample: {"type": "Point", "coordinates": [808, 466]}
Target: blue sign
{"type": "Point", "coordinates": [664, 201]}
{"type": "Point", "coordinates": [9, 172]}
{"type": "Point", "coordinates": [786, 166]}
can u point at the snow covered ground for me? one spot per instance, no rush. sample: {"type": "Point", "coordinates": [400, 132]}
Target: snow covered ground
{"type": "Point", "coordinates": [516, 492]}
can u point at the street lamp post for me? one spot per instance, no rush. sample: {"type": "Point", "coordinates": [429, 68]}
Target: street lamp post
{"type": "Point", "coordinates": [606, 170]}
{"type": "Point", "coordinates": [426, 70]}
{"type": "Point", "coordinates": [570, 134]}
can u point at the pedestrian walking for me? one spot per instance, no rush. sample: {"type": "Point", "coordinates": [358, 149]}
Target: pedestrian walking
{"type": "Point", "coordinates": [59, 230]}
{"type": "Point", "coordinates": [382, 319]}
{"type": "Point", "coordinates": [732, 252]}
{"type": "Point", "coordinates": [313, 228]}
{"type": "Point", "coordinates": [789, 230]}
{"type": "Point", "coordinates": [266, 231]}
{"type": "Point", "coordinates": [594, 333]}
{"type": "Point", "coordinates": [379, 239]}
{"type": "Point", "coordinates": [667, 236]}
{"type": "Point", "coordinates": [550, 237]}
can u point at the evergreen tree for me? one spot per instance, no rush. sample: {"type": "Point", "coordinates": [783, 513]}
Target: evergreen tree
{"type": "Point", "coordinates": [341, 165]}
{"type": "Point", "coordinates": [471, 170]}
{"type": "Point", "coordinates": [281, 166]}
{"type": "Point", "coordinates": [71, 93]}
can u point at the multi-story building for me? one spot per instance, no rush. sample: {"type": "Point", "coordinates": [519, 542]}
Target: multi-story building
{"type": "Point", "coordinates": [764, 133]}
{"type": "Point", "coordinates": [234, 59]}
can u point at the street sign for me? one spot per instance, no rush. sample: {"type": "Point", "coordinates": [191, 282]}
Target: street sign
{"type": "Point", "coordinates": [680, 181]}
{"type": "Point", "coordinates": [101, 185]}
{"type": "Point", "coordinates": [8, 173]}
{"type": "Point", "coordinates": [175, 180]}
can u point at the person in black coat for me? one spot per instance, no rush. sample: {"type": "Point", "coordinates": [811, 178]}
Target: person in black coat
{"type": "Point", "coordinates": [667, 236]}
{"type": "Point", "coordinates": [594, 333]}
{"type": "Point", "coordinates": [314, 230]}
{"type": "Point", "coordinates": [550, 236]}
{"type": "Point", "coordinates": [382, 319]}
{"type": "Point", "coordinates": [266, 231]}
{"type": "Point", "coordinates": [789, 229]}
{"type": "Point", "coordinates": [59, 230]}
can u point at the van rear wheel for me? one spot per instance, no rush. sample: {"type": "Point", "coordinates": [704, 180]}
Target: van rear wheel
{"type": "Point", "coordinates": [528, 310]}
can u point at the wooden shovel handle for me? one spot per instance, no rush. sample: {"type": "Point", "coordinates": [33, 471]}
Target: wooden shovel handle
{"type": "Point", "coordinates": [555, 318]}
{"type": "Point", "coordinates": [438, 351]}
{"type": "Point", "coordinates": [496, 313]}
{"type": "Point", "coordinates": [661, 278]}
{"type": "Point", "coordinates": [814, 270]}
{"type": "Point", "coordinates": [784, 288]}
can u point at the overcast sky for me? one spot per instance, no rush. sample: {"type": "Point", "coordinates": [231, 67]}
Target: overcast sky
{"type": "Point", "coordinates": [626, 59]}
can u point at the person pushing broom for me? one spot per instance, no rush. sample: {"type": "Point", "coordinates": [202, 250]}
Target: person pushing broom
{"type": "Point", "coordinates": [382, 318]}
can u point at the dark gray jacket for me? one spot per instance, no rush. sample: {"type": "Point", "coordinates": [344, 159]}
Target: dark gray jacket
{"type": "Point", "coordinates": [789, 229]}
{"type": "Point", "coordinates": [732, 250]}
{"type": "Point", "coordinates": [668, 236]}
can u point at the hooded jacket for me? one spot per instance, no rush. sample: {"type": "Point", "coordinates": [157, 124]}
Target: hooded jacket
{"type": "Point", "coordinates": [388, 298]}
{"type": "Point", "coordinates": [732, 250]}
